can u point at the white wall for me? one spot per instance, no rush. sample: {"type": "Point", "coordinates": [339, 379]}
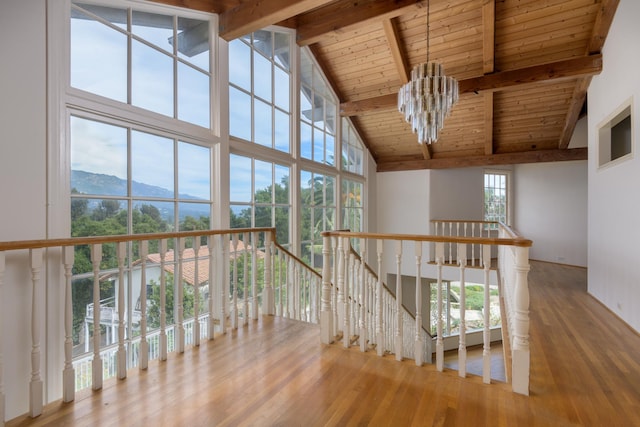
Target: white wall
{"type": "Point", "coordinates": [403, 208]}
{"type": "Point", "coordinates": [23, 174]}
{"type": "Point", "coordinates": [457, 194]}
{"type": "Point", "coordinates": [614, 192]}
{"type": "Point", "coordinates": [551, 209]}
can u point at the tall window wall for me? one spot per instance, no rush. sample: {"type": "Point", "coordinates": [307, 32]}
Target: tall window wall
{"type": "Point", "coordinates": [139, 126]}
{"type": "Point", "coordinates": [318, 114]}
{"type": "Point", "coordinates": [260, 195]}
{"type": "Point", "coordinates": [317, 213]}
{"type": "Point", "coordinates": [259, 89]}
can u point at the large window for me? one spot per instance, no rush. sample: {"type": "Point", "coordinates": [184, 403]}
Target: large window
{"type": "Point", "coordinates": [352, 209]}
{"type": "Point", "coordinates": [156, 62]}
{"type": "Point", "coordinates": [260, 88]}
{"type": "Point", "coordinates": [260, 196]}
{"type": "Point", "coordinates": [138, 121]}
{"type": "Point", "coordinates": [352, 150]}
{"type": "Point", "coordinates": [318, 213]}
{"type": "Point", "coordinates": [318, 113]}
{"type": "Point", "coordinates": [496, 197]}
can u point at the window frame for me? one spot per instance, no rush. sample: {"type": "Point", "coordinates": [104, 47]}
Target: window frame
{"type": "Point", "coordinates": [508, 204]}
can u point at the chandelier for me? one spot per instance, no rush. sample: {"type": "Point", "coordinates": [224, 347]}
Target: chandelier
{"type": "Point", "coordinates": [427, 99]}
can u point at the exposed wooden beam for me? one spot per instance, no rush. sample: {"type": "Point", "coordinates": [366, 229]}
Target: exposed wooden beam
{"type": "Point", "coordinates": [249, 16]}
{"type": "Point", "coordinates": [426, 151]}
{"type": "Point", "coordinates": [602, 25]}
{"type": "Point", "coordinates": [201, 5]}
{"type": "Point", "coordinates": [488, 66]}
{"type": "Point", "coordinates": [573, 112]}
{"type": "Point", "coordinates": [399, 57]}
{"type": "Point", "coordinates": [513, 79]}
{"type": "Point", "coordinates": [414, 163]}
{"type": "Point", "coordinates": [315, 24]}
{"type": "Point", "coordinates": [600, 30]}
{"type": "Point", "coordinates": [566, 69]}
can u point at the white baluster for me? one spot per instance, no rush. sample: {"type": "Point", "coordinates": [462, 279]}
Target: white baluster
{"type": "Point", "coordinates": [254, 276]}
{"type": "Point", "coordinates": [473, 247]}
{"type": "Point", "coordinates": [224, 294]}
{"type": "Point", "coordinates": [290, 281]}
{"type": "Point", "coordinates": [144, 343]}
{"type": "Point", "coordinates": [462, 347]}
{"type": "Point", "coordinates": [245, 281]}
{"type": "Point", "coordinates": [96, 365]}
{"type": "Point", "coordinates": [418, 342]}
{"type": "Point", "coordinates": [520, 341]}
{"type": "Point", "coordinates": [341, 282]}
{"type": "Point", "coordinates": [346, 328]}
{"type": "Point", "coordinates": [279, 261]}
{"type": "Point", "coordinates": [210, 284]}
{"type": "Point", "coordinates": [326, 310]}
{"type": "Point", "coordinates": [68, 373]}
{"type": "Point", "coordinates": [121, 254]}
{"type": "Point", "coordinates": [334, 287]}
{"type": "Point", "coordinates": [268, 302]}
{"type": "Point", "coordinates": [450, 246]}
{"type": "Point", "coordinates": [363, 296]}
{"type": "Point", "coordinates": [379, 324]}
{"type": "Point", "coordinates": [196, 292]}
{"type": "Point", "coordinates": [36, 391]}
{"type": "Point", "coordinates": [486, 353]}
{"type": "Point", "coordinates": [398, 330]}
{"type": "Point", "coordinates": [439, 326]}
{"type": "Point", "coordinates": [162, 246]}
{"type": "Point", "coordinates": [179, 298]}
{"type": "Point", "coordinates": [2, 397]}
{"type": "Point", "coordinates": [234, 296]}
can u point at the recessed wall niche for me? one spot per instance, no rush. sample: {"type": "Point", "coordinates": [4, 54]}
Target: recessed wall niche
{"type": "Point", "coordinates": [615, 136]}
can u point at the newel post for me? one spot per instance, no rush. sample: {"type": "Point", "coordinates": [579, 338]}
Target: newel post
{"type": "Point", "coordinates": [520, 340]}
{"type": "Point", "coordinates": [326, 313]}
{"type": "Point", "coordinates": [268, 298]}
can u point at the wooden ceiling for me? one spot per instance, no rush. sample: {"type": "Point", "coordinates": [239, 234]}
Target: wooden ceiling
{"type": "Point", "coordinates": [523, 68]}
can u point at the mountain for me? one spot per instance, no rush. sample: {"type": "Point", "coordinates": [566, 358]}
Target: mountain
{"type": "Point", "coordinates": [96, 184]}
{"type": "Point", "coordinates": [101, 184]}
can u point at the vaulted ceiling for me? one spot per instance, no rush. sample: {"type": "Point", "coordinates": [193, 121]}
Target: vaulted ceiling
{"type": "Point", "coordinates": [523, 66]}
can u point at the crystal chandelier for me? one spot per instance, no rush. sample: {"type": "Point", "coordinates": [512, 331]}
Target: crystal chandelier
{"type": "Point", "coordinates": [427, 99]}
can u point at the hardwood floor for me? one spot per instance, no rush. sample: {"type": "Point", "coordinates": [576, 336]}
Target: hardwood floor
{"type": "Point", "coordinates": [585, 370]}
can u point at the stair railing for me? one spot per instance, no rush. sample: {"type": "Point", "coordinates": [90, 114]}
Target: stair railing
{"type": "Point", "coordinates": [388, 326]}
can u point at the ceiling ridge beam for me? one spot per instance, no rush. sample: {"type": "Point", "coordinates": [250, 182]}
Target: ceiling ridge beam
{"type": "Point", "coordinates": [414, 163]}
{"type": "Point", "coordinates": [250, 16]}
{"type": "Point", "coordinates": [583, 66]}
{"type": "Point", "coordinates": [313, 25]}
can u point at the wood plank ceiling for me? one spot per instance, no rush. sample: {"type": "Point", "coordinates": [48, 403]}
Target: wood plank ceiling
{"type": "Point", "coordinates": [523, 66]}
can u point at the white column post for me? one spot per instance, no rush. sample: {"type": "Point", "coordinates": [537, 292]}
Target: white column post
{"type": "Point", "coordinates": [254, 276]}
{"type": "Point", "coordinates": [340, 274]}
{"type": "Point", "coordinates": [268, 298]}
{"type": "Point", "coordinates": [121, 253]}
{"type": "Point", "coordinates": [234, 296]}
{"type": "Point", "coordinates": [211, 284]}
{"type": "Point", "coordinates": [96, 364]}
{"type": "Point", "coordinates": [196, 292]}
{"type": "Point", "coordinates": [2, 397]}
{"type": "Point", "coordinates": [520, 342]}
{"type": "Point", "coordinates": [418, 356]}
{"type": "Point", "coordinates": [144, 344]}
{"type": "Point", "coordinates": [379, 326]}
{"type": "Point", "coordinates": [486, 353]}
{"type": "Point", "coordinates": [346, 328]}
{"type": "Point", "coordinates": [179, 298]}
{"type": "Point", "coordinates": [462, 346]}
{"type": "Point", "coordinates": [363, 296]}
{"type": "Point", "coordinates": [326, 312]}
{"type": "Point", "coordinates": [439, 338]}
{"type": "Point", "coordinates": [68, 373]}
{"type": "Point", "coordinates": [162, 247]}
{"type": "Point", "coordinates": [36, 390]}
{"type": "Point", "coordinates": [399, 331]}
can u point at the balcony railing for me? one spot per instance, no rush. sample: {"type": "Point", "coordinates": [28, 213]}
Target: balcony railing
{"type": "Point", "coordinates": [460, 252]}
{"type": "Point", "coordinates": [230, 277]}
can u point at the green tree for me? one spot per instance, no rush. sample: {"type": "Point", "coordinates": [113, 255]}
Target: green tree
{"type": "Point", "coordinates": [153, 308]}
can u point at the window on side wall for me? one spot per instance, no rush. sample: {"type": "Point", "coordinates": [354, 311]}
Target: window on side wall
{"type": "Point", "coordinates": [496, 198]}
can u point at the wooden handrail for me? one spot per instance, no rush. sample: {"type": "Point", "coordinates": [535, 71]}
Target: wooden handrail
{"type": "Point", "coordinates": [298, 260]}
{"type": "Point", "coordinates": [519, 241]}
{"type": "Point", "coordinates": [74, 241]}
